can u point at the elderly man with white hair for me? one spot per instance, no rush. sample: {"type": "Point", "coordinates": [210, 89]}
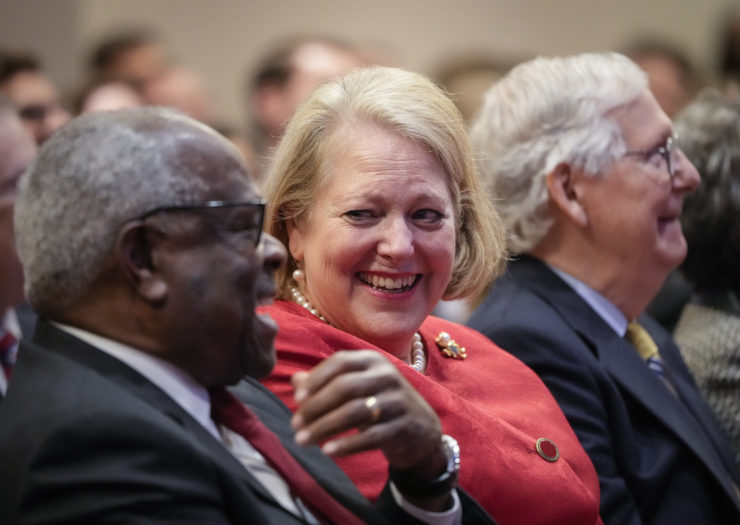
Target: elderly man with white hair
{"type": "Point", "coordinates": [587, 173]}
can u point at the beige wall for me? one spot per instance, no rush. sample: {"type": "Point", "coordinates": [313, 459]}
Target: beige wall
{"type": "Point", "coordinates": [223, 38]}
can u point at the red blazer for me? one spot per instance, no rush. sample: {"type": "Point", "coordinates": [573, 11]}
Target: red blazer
{"type": "Point", "coordinates": [493, 404]}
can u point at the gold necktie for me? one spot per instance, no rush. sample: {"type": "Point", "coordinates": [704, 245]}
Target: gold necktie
{"type": "Point", "coordinates": [648, 350]}
{"type": "Point", "coordinates": [641, 340]}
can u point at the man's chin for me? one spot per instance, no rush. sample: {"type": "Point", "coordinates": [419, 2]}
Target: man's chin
{"type": "Point", "coordinates": [262, 370]}
{"type": "Point", "coordinates": [261, 357]}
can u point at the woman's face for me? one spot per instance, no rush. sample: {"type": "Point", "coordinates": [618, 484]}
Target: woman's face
{"type": "Point", "coordinates": [378, 243]}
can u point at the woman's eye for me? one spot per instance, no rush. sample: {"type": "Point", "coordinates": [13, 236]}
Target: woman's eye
{"type": "Point", "coordinates": [428, 215]}
{"type": "Point", "coordinates": [357, 215]}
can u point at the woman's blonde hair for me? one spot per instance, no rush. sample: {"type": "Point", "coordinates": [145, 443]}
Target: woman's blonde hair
{"type": "Point", "coordinates": [413, 107]}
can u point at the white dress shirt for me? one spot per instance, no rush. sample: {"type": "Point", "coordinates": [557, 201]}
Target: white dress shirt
{"type": "Point", "coordinates": [600, 304]}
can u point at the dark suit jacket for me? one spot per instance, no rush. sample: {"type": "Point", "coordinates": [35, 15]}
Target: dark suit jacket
{"type": "Point", "coordinates": [660, 460]}
{"type": "Point", "coordinates": [86, 439]}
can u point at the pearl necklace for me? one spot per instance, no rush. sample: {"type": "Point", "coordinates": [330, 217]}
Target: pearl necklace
{"type": "Point", "coordinates": [418, 357]}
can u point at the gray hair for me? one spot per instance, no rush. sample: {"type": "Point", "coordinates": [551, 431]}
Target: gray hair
{"type": "Point", "coordinates": [90, 177]}
{"type": "Point", "coordinates": [543, 113]}
{"type": "Point", "coordinates": [709, 132]}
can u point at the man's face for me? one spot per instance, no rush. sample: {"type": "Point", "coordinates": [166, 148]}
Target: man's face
{"type": "Point", "coordinates": [312, 64]}
{"type": "Point", "coordinates": [216, 276]}
{"type": "Point", "coordinates": [17, 150]}
{"type": "Point", "coordinates": [633, 209]}
{"type": "Point", "coordinates": [37, 102]}
{"type": "Point", "coordinates": [139, 65]}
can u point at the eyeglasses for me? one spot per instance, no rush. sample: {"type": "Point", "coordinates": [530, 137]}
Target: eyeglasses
{"type": "Point", "coordinates": [669, 152]}
{"type": "Point", "coordinates": [237, 224]}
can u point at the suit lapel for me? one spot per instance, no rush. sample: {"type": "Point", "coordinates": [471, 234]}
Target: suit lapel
{"type": "Point", "coordinates": [56, 340]}
{"type": "Point", "coordinates": [626, 367]}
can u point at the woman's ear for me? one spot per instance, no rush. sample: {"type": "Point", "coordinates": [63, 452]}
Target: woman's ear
{"type": "Point", "coordinates": [296, 240]}
{"type": "Point", "coordinates": [134, 250]}
{"type": "Point", "coordinates": [566, 193]}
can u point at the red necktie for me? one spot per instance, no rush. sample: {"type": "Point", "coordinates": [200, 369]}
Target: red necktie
{"type": "Point", "coordinates": [228, 411]}
{"type": "Point", "coordinates": [7, 356]}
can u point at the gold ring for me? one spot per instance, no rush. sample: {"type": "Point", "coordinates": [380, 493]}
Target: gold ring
{"type": "Point", "coordinates": [373, 406]}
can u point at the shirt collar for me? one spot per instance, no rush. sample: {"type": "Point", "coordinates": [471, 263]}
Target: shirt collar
{"type": "Point", "coordinates": [10, 323]}
{"type": "Point", "coordinates": [598, 303]}
{"type": "Point", "coordinates": [175, 382]}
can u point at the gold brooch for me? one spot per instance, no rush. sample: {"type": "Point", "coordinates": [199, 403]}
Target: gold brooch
{"type": "Point", "coordinates": [449, 347]}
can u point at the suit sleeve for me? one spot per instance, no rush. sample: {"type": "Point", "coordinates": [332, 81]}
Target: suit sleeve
{"type": "Point", "coordinates": [564, 363]}
{"type": "Point", "coordinates": [109, 468]}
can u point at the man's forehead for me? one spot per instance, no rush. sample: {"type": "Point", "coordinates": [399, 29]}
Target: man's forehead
{"type": "Point", "coordinates": [30, 86]}
{"type": "Point", "coordinates": [642, 121]}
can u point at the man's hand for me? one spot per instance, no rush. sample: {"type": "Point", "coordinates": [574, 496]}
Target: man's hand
{"type": "Point", "coordinates": [362, 390]}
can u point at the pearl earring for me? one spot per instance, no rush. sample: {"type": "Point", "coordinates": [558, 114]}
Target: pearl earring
{"type": "Point", "coordinates": [298, 276]}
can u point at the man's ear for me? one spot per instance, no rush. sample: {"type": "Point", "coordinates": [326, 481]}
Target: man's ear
{"type": "Point", "coordinates": [296, 240]}
{"type": "Point", "coordinates": [566, 193]}
{"type": "Point", "coordinates": [134, 251]}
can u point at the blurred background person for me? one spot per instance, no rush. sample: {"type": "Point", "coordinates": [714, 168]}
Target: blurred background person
{"type": "Point", "coordinates": [24, 82]}
{"type": "Point", "coordinates": [182, 88]}
{"type": "Point", "coordinates": [374, 190]}
{"type": "Point", "coordinates": [672, 77]}
{"type": "Point", "coordinates": [728, 55]}
{"type": "Point", "coordinates": [106, 95]}
{"type": "Point", "coordinates": [467, 79]}
{"type": "Point", "coordinates": [136, 56]}
{"type": "Point", "coordinates": [286, 76]}
{"type": "Point", "coordinates": [17, 149]}
{"type": "Point", "coordinates": [708, 331]}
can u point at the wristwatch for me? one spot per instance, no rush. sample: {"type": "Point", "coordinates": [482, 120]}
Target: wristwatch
{"type": "Point", "coordinates": [414, 486]}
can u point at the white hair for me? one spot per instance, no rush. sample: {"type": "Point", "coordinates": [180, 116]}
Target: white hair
{"type": "Point", "coordinates": [89, 178]}
{"type": "Point", "coordinates": [543, 113]}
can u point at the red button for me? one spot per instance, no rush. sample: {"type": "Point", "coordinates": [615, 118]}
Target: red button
{"type": "Point", "coordinates": [547, 449]}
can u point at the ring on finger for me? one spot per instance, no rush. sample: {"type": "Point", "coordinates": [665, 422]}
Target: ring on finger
{"type": "Point", "coordinates": [371, 402]}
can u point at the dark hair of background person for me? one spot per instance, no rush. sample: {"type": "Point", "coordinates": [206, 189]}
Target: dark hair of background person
{"type": "Point", "coordinates": [710, 138]}
{"type": "Point", "coordinates": [12, 63]}
{"type": "Point", "coordinates": [728, 54]}
{"type": "Point", "coordinates": [112, 47]}
{"type": "Point", "coordinates": [276, 67]}
{"type": "Point", "coordinates": [136, 56]}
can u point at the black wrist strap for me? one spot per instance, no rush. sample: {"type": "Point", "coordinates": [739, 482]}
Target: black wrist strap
{"type": "Point", "coordinates": [416, 487]}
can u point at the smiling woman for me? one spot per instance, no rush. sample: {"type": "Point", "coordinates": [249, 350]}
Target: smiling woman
{"type": "Point", "coordinates": [373, 190]}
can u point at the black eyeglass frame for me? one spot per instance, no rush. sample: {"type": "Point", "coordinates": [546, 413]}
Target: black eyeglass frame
{"type": "Point", "coordinates": [665, 151]}
{"type": "Point", "coordinates": [259, 203]}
